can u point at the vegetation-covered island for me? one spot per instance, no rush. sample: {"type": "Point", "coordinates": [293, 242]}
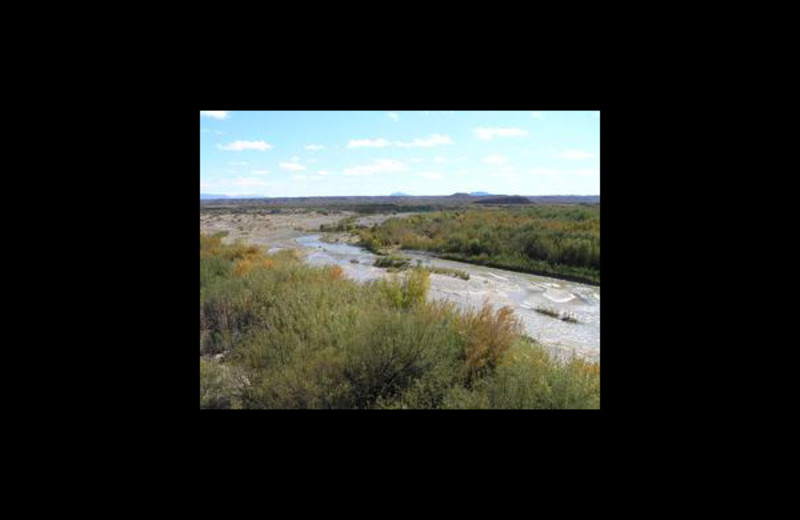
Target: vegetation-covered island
{"type": "Point", "coordinates": [559, 241]}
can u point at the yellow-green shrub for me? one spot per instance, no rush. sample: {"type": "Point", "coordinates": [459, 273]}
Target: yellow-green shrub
{"type": "Point", "coordinates": [301, 336]}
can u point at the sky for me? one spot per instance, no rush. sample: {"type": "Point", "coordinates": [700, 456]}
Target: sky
{"type": "Point", "coordinates": [336, 153]}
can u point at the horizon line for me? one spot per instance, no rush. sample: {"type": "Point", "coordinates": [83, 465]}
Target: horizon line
{"type": "Point", "coordinates": [390, 195]}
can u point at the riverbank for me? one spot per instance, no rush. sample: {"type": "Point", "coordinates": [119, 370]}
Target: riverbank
{"type": "Point", "coordinates": [500, 265]}
{"type": "Point", "coordinates": [520, 291]}
{"type": "Point", "coordinates": [562, 242]}
{"type": "Point", "coordinates": [278, 333]}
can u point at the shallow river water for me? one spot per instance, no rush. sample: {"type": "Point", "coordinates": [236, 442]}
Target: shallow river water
{"type": "Point", "coordinates": [521, 291]}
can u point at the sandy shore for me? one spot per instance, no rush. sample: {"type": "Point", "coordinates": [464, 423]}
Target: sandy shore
{"type": "Point", "coordinates": [278, 230]}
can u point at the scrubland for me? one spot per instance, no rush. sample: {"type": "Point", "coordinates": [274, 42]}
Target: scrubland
{"type": "Point", "coordinates": [558, 241]}
{"type": "Point", "coordinates": [278, 333]}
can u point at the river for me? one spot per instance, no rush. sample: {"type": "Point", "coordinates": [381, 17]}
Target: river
{"type": "Point", "coordinates": [521, 291]}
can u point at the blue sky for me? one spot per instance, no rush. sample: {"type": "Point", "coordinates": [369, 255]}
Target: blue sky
{"type": "Point", "coordinates": [327, 153]}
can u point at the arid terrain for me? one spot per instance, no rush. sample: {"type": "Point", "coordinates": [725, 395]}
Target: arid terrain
{"type": "Point", "coordinates": [278, 230]}
{"type": "Point", "coordinates": [301, 231]}
{"type": "Point", "coordinates": [399, 259]}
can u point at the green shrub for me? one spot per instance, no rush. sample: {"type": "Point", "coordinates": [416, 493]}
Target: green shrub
{"type": "Point", "coordinates": [312, 379]}
{"type": "Point", "coordinates": [408, 291]}
{"type": "Point", "coordinates": [213, 269]}
{"type": "Point", "coordinates": [458, 273]}
{"type": "Point", "coordinates": [547, 311]}
{"type": "Point", "coordinates": [567, 316]}
{"type": "Point", "coordinates": [392, 261]}
{"type": "Point", "coordinates": [549, 240]}
{"type": "Point", "coordinates": [530, 378]}
{"type": "Point", "coordinates": [301, 336]}
{"type": "Point", "coordinates": [219, 387]}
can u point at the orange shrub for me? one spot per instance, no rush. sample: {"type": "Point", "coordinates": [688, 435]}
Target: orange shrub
{"type": "Point", "coordinates": [242, 267]}
{"type": "Point", "coordinates": [488, 336]}
{"type": "Point", "coordinates": [590, 369]}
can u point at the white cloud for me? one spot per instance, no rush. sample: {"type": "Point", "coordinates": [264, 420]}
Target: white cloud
{"type": "Point", "coordinates": [299, 177]}
{"type": "Point", "coordinates": [292, 166]}
{"type": "Point", "coordinates": [314, 147]}
{"type": "Point", "coordinates": [496, 159]}
{"type": "Point", "coordinates": [368, 143]}
{"type": "Point", "coordinates": [537, 114]}
{"type": "Point", "coordinates": [216, 114]}
{"type": "Point", "coordinates": [588, 172]}
{"type": "Point", "coordinates": [431, 140]}
{"type": "Point", "coordinates": [323, 172]}
{"type": "Point", "coordinates": [574, 155]}
{"type": "Point", "coordinates": [427, 142]}
{"type": "Point", "coordinates": [432, 176]}
{"type": "Point", "coordinates": [239, 163]}
{"type": "Point", "coordinates": [295, 159]}
{"type": "Point", "coordinates": [249, 181]}
{"type": "Point", "coordinates": [439, 159]}
{"type": "Point", "coordinates": [416, 160]}
{"type": "Point", "coordinates": [543, 171]}
{"type": "Point", "coordinates": [394, 115]}
{"type": "Point", "coordinates": [379, 166]}
{"type": "Point", "coordinates": [203, 130]}
{"type": "Point", "coordinates": [238, 146]}
{"type": "Point", "coordinates": [489, 133]}
{"type": "Point", "coordinates": [259, 172]}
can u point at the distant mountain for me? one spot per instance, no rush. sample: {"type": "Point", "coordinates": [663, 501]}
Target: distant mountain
{"type": "Point", "coordinates": [399, 194]}
{"type": "Point", "coordinates": [480, 194]}
{"type": "Point", "coordinates": [516, 199]}
{"type": "Point", "coordinates": [204, 196]}
{"type": "Point", "coordinates": [565, 199]}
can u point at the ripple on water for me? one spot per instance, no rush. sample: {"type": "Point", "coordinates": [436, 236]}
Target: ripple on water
{"type": "Point", "coordinates": [558, 296]}
{"type": "Point", "coordinates": [319, 258]}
